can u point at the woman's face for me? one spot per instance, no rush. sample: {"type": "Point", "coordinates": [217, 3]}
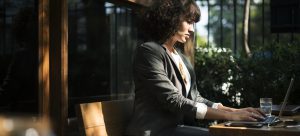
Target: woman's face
{"type": "Point", "coordinates": [184, 31]}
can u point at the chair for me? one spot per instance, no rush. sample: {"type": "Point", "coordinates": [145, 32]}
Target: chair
{"type": "Point", "coordinates": [107, 118]}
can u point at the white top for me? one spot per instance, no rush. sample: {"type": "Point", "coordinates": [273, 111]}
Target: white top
{"type": "Point", "coordinates": [185, 71]}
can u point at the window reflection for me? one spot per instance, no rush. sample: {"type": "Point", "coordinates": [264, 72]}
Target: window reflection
{"type": "Point", "coordinates": [102, 37]}
{"type": "Point", "coordinates": [18, 56]}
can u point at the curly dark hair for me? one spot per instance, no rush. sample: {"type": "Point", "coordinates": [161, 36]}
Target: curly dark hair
{"type": "Point", "coordinates": [162, 19]}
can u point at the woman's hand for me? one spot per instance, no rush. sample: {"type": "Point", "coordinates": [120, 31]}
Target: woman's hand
{"type": "Point", "coordinates": [244, 115]}
{"type": "Point", "coordinates": [253, 111]}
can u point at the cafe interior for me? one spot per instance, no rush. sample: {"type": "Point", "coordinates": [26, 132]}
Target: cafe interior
{"type": "Point", "coordinates": [59, 56]}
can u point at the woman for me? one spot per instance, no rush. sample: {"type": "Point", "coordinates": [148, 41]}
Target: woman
{"type": "Point", "coordinates": [167, 101]}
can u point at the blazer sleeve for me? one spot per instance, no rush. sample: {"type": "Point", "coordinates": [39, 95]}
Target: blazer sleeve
{"type": "Point", "coordinates": [150, 73]}
{"type": "Point", "coordinates": [201, 99]}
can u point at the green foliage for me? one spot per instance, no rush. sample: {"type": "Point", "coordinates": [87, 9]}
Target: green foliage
{"type": "Point", "coordinates": [201, 41]}
{"type": "Point", "coordinates": [213, 70]}
{"type": "Point", "coordinates": [240, 82]}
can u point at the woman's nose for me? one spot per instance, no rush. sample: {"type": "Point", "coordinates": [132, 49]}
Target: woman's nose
{"type": "Point", "coordinates": [191, 28]}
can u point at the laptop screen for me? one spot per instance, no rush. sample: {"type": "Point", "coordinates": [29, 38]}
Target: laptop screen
{"type": "Point", "coordinates": [286, 96]}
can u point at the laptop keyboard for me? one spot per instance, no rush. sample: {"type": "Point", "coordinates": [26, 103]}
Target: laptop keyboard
{"type": "Point", "coordinates": [270, 120]}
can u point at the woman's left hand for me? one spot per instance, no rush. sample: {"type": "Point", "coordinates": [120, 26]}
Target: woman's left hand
{"type": "Point", "coordinates": [256, 111]}
{"type": "Point", "coordinates": [253, 111]}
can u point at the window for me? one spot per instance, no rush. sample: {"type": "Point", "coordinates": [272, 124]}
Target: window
{"type": "Point", "coordinates": [102, 38]}
{"type": "Point", "coordinates": [18, 56]}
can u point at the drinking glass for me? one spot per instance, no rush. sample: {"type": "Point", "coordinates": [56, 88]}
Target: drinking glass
{"type": "Point", "coordinates": [266, 105]}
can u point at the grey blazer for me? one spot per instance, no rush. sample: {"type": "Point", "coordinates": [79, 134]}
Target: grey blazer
{"type": "Point", "coordinates": [161, 102]}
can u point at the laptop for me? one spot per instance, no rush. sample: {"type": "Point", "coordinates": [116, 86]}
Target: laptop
{"type": "Point", "coordinates": [285, 109]}
{"type": "Point", "coordinates": [270, 120]}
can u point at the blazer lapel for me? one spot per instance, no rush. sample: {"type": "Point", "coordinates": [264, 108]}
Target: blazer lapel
{"type": "Point", "coordinates": [190, 69]}
{"type": "Point", "coordinates": [177, 72]}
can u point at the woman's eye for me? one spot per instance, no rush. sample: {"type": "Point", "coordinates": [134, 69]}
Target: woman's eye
{"type": "Point", "coordinates": [190, 21]}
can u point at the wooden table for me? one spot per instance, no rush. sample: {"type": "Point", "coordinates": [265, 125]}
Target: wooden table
{"type": "Point", "coordinates": [221, 130]}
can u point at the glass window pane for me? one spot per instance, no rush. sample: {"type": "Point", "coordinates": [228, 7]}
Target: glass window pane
{"type": "Point", "coordinates": [102, 37]}
{"type": "Point", "coordinates": [18, 56]}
